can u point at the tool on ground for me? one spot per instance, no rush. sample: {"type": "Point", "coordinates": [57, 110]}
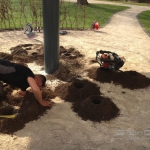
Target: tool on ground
{"type": "Point", "coordinates": [31, 34]}
{"type": "Point", "coordinates": [28, 30]}
{"type": "Point", "coordinates": [8, 111]}
{"type": "Point", "coordinates": [109, 61]}
{"type": "Point", "coordinates": [8, 116]}
{"type": "Point", "coordinates": [63, 32]}
{"type": "Point", "coordinates": [95, 25]}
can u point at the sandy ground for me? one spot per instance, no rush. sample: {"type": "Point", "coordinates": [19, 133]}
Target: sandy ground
{"type": "Point", "coordinates": [61, 128]}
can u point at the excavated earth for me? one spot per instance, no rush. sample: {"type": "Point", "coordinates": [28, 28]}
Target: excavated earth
{"type": "Point", "coordinates": [84, 95]}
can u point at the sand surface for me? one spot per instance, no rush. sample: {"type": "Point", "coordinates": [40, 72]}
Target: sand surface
{"type": "Point", "coordinates": [61, 127]}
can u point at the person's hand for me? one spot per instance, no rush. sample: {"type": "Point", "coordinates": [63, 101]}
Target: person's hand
{"type": "Point", "coordinates": [22, 93]}
{"type": "Point", "coordinates": [46, 103]}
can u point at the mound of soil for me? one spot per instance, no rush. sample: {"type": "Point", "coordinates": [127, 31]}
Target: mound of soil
{"type": "Point", "coordinates": [70, 53]}
{"type": "Point", "coordinates": [70, 59]}
{"type": "Point", "coordinates": [86, 100]}
{"type": "Point", "coordinates": [6, 56]}
{"type": "Point", "coordinates": [84, 95]}
{"type": "Point", "coordinates": [71, 64]}
{"type": "Point", "coordinates": [28, 109]}
{"type": "Point", "coordinates": [28, 53]}
{"type": "Point", "coordinates": [127, 79]}
{"type": "Point", "coordinates": [96, 108]}
{"type": "Point", "coordinates": [77, 90]}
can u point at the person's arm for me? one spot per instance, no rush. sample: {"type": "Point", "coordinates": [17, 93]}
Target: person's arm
{"type": "Point", "coordinates": [22, 93]}
{"type": "Point", "coordinates": [37, 92]}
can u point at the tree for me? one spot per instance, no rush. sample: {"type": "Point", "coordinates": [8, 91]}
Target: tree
{"type": "Point", "coordinates": [82, 2]}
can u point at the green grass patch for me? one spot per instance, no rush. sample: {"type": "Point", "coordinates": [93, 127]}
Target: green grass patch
{"type": "Point", "coordinates": [144, 18]}
{"type": "Point", "coordinates": [71, 15]}
{"type": "Point", "coordinates": [14, 14]}
{"type": "Point", "coordinates": [79, 17]}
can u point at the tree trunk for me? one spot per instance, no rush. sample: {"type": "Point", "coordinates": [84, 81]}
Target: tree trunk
{"type": "Point", "coordinates": [82, 2]}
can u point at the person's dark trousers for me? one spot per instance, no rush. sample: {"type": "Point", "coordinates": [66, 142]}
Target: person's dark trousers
{"type": "Point", "coordinates": [2, 94]}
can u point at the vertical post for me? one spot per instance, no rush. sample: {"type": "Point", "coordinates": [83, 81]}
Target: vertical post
{"type": "Point", "coordinates": [51, 35]}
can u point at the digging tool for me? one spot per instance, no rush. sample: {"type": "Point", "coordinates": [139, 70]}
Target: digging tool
{"type": "Point", "coordinates": [8, 116]}
{"type": "Point", "coordinates": [109, 61]}
{"type": "Point", "coordinates": [31, 34]}
{"type": "Point", "coordinates": [28, 30]}
{"type": "Point", "coordinates": [11, 113]}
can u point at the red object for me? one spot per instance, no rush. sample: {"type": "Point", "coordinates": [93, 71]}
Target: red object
{"type": "Point", "coordinates": [105, 65]}
{"type": "Point", "coordinates": [96, 25]}
{"type": "Point", "coordinates": [104, 56]}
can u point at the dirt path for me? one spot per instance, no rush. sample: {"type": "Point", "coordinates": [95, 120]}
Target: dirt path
{"type": "Point", "coordinates": [61, 128]}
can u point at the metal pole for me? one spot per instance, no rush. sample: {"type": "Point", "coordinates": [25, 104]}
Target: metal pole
{"type": "Point", "coordinates": [51, 35]}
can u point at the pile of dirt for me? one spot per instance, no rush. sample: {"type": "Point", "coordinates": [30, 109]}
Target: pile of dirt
{"type": "Point", "coordinates": [71, 64]}
{"type": "Point", "coordinates": [70, 54]}
{"type": "Point", "coordinates": [28, 109]}
{"type": "Point", "coordinates": [28, 53]}
{"type": "Point", "coordinates": [86, 100]}
{"type": "Point", "coordinates": [96, 108]}
{"type": "Point", "coordinates": [84, 95]}
{"type": "Point", "coordinates": [70, 59]}
{"type": "Point", "coordinates": [77, 90]}
{"type": "Point", "coordinates": [127, 79]}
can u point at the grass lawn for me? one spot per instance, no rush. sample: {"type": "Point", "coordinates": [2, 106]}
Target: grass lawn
{"type": "Point", "coordinates": [79, 17]}
{"type": "Point", "coordinates": [71, 15]}
{"type": "Point", "coordinates": [144, 18]}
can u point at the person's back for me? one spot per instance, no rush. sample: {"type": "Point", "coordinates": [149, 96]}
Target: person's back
{"type": "Point", "coordinates": [22, 77]}
{"type": "Point", "coordinates": [15, 74]}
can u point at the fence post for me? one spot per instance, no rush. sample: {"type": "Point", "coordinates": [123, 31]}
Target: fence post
{"type": "Point", "coordinates": [51, 35]}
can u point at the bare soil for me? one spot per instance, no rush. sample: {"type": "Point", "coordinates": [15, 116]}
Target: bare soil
{"type": "Point", "coordinates": [84, 95]}
{"type": "Point", "coordinates": [91, 106]}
